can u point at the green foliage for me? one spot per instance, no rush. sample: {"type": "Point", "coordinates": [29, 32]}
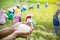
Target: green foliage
{"type": "Point", "coordinates": [41, 38]}
{"type": "Point", "coordinates": [41, 27]}
{"type": "Point", "coordinates": [45, 35]}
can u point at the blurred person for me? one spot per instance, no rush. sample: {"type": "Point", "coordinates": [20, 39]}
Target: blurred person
{"type": "Point", "coordinates": [17, 16]}
{"type": "Point", "coordinates": [29, 19]}
{"type": "Point", "coordinates": [10, 13]}
{"type": "Point", "coordinates": [3, 16]}
{"type": "Point", "coordinates": [46, 4]}
{"type": "Point", "coordinates": [24, 7]}
{"type": "Point", "coordinates": [56, 21]}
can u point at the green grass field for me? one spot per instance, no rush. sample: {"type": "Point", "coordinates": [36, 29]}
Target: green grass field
{"type": "Point", "coordinates": [43, 18]}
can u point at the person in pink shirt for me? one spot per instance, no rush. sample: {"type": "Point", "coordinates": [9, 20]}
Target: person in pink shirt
{"type": "Point", "coordinates": [3, 16]}
{"type": "Point", "coordinates": [17, 16]}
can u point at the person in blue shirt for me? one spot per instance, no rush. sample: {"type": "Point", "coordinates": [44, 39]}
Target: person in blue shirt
{"type": "Point", "coordinates": [24, 7]}
{"type": "Point", "coordinates": [56, 21]}
{"type": "Point", "coordinates": [38, 6]}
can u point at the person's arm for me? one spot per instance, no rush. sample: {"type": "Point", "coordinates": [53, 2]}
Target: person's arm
{"type": "Point", "coordinates": [15, 35]}
{"type": "Point", "coordinates": [10, 37]}
{"type": "Point", "coordinates": [5, 32]}
{"type": "Point", "coordinates": [10, 30]}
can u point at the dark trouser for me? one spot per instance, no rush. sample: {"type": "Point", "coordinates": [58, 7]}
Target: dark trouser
{"type": "Point", "coordinates": [20, 19]}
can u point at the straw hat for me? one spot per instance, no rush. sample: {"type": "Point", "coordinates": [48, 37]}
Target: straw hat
{"type": "Point", "coordinates": [2, 11]}
{"type": "Point", "coordinates": [10, 9]}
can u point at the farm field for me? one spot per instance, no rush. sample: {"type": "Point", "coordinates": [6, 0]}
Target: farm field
{"type": "Point", "coordinates": [43, 17]}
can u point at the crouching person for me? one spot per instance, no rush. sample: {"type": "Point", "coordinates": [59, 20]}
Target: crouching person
{"type": "Point", "coordinates": [30, 21]}
{"type": "Point", "coordinates": [3, 16]}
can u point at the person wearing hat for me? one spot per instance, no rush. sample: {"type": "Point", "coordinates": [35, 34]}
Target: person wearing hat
{"type": "Point", "coordinates": [10, 13]}
{"type": "Point", "coordinates": [17, 16]}
{"type": "Point", "coordinates": [46, 4]}
{"type": "Point", "coordinates": [17, 10]}
{"type": "Point", "coordinates": [56, 21]}
{"type": "Point", "coordinates": [38, 5]}
{"type": "Point", "coordinates": [3, 16]}
{"type": "Point", "coordinates": [30, 20]}
{"type": "Point", "coordinates": [24, 7]}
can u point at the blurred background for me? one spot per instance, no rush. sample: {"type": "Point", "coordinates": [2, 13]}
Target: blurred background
{"type": "Point", "coordinates": [42, 16]}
